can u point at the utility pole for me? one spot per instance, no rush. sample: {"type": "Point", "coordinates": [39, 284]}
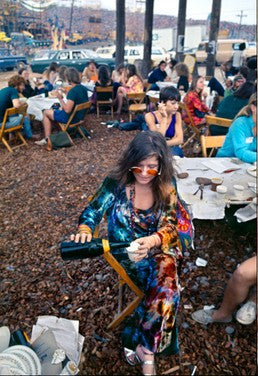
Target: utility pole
{"type": "Point", "coordinates": [148, 27]}
{"type": "Point", "coordinates": [241, 15]}
{"type": "Point", "coordinates": [214, 30]}
{"type": "Point", "coordinates": [71, 19]}
{"type": "Point", "coordinates": [120, 32]}
{"type": "Point", "coordinates": [181, 30]}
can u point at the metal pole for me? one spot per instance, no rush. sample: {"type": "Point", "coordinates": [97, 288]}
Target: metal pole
{"type": "Point", "coordinates": [148, 26]}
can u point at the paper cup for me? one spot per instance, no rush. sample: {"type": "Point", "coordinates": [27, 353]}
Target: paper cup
{"type": "Point", "coordinates": [221, 189]}
{"type": "Point", "coordinates": [215, 182]}
{"type": "Point", "coordinates": [131, 250]}
{"type": "Point", "coordinates": [239, 191]}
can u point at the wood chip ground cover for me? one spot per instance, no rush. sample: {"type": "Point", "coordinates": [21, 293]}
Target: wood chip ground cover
{"type": "Point", "coordinates": [43, 194]}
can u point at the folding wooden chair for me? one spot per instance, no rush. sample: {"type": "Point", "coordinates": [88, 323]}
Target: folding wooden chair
{"type": "Point", "coordinates": [192, 127]}
{"type": "Point", "coordinates": [221, 122]}
{"type": "Point", "coordinates": [15, 129]}
{"type": "Point", "coordinates": [64, 126]}
{"type": "Point", "coordinates": [105, 97]}
{"type": "Point", "coordinates": [211, 142]}
{"type": "Point", "coordinates": [123, 278]}
{"type": "Point", "coordinates": [137, 105]}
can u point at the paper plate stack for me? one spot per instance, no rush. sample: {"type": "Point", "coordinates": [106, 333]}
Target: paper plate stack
{"type": "Point", "coordinates": [19, 360]}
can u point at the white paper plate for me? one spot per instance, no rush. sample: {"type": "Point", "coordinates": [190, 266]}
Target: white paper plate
{"type": "Point", "coordinates": [252, 171]}
{"type": "Point", "coordinates": [13, 361]}
{"type": "Point", "coordinates": [25, 358]}
{"type": "Point", "coordinates": [33, 356]}
{"type": "Point", "coordinates": [7, 370]}
{"type": "Point", "coordinates": [4, 338]}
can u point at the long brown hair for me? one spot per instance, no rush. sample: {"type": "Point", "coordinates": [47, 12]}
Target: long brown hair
{"type": "Point", "coordinates": [194, 85]}
{"type": "Point", "coordinates": [144, 145]}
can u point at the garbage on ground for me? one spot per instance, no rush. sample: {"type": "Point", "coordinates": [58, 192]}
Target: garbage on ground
{"type": "Point", "coordinates": [54, 348]}
{"type": "Point", "coordinates": [201, 262]}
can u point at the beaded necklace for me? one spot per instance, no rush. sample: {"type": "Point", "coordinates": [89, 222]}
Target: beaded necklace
{"type": "Point", "coordinates": [152, 219]}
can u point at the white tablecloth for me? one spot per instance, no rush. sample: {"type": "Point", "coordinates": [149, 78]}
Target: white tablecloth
{"type": "Point", "coordinates": [162, 84]}
{"type": "Point", "coordinates": [213, 204]}
{"type": "Point", "coordinates": [37, 104]}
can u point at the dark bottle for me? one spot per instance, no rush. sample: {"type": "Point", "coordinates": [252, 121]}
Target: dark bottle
{"type": "Point", "coordinates": [74, 251]}
{"type": "Point", "coordinates": [19, 337]}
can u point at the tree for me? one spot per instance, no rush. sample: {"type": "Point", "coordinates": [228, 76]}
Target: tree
{"type": "Point", "coordinates": [120, 32]}
{"type": "Point", "coordinates": [213, 37]}
{"type": "Point", "coordinates": [148, 25]}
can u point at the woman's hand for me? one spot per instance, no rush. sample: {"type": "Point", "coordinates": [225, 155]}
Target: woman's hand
{"type": "Point", "coordinates": [146, 243]}
{"type": "Point", "coordinates": [81, 237]}
{"type": "Point", "coordinates": [162, 109]}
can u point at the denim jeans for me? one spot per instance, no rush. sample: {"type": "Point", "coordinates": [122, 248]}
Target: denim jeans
{"type": "Point", "coordinates": [176, 150]}
{"type": "Point", "coordinates": [15, 120]}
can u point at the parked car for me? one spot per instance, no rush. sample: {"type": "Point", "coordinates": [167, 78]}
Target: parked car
{"type": "Point", "coordinates": [78, 59]}
{"type": "Point", "coordinates": [8, 61]}
{"type": "Point", "coordinates": [133, 53]}
{"type": "Point", "coordinates": [225, 50]}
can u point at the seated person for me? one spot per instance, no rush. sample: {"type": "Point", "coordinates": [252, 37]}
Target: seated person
{"type": "Point", "coordinates": [158, 74]}
{"type": "Point", "coordinates": [167, 120]}
{"type": "Point", "coordinates": [134, 84]}
{"type": "Point", "coordinates": [241, 139]}
{"type": "Point", "coordinates": [195, 102]}
{"type": "Point", "coordinates": [77, 94]}
{"type": "Point", "coordinates": [104, 80]}
{"type": "Point", "coordinates": [61, 80]}
{"type": "Point", "coordinates": [9, 97]}
{"type": "Point", "coordinates": [28, 91]}
{"type": "Point", "coordinates": [230, 106]}
{"type": "Point", "coordinates": [237, 82]}
{"type": "Point", "coordinates": [170, 69]}
{"type": "Point", "coordinates": [90, 73]}
{"type": "Point", "coordinates": [237, 291]}
{"type": "Point", "coordinates": [183, 76]}
{"type": "Point", "coordinates": [49, 76]}
{"type": "Point", "coordinates": [119, 77]}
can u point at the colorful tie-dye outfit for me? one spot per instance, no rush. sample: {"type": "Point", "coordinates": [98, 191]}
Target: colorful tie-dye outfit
{"type": "Point", "coordinates": [153, 323]}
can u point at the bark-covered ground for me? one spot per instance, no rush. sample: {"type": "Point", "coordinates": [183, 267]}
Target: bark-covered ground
{"type": "Point", "coordinates": [42, 195]}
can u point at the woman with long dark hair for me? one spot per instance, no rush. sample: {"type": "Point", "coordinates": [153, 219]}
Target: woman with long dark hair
{"type": "Point", "coordinates": [140, 203]}
{"type": "Point", "coordinates": [134, 84]}
{"type": "Point", "coordinates": [195, 102]}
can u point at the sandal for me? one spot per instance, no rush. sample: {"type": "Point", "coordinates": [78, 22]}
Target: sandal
{"type": "Point", "coordinates": [145, 363]}
{"type": "Point", "coordinates": [131, 356]}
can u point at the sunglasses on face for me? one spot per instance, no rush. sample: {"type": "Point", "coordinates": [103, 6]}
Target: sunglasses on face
{"type": "Point", "coordinates": [150, 171]}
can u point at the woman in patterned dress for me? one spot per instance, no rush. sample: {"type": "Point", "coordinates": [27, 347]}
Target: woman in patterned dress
{"type": "Point", "coordinates": [140, 204]}
{"type": "Point", "coordinates": [195, 102]}
{"type": "Point", "coordinates": [134, 84]}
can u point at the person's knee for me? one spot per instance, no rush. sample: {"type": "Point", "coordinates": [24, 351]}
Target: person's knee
{"type": "Point", "coordinates": [241, 277]}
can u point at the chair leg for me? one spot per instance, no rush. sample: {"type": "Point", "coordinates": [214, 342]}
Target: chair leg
{"type": "Point", "coordinates": [130, 116]}
{"type": "Point", "coordinates": [22, 138]}
{"type": "Point", "coordinates": [70, 138]}
{"type": "Point", "coordinates": [81, 133]}
{"type": "Point", "coordinates": [112, 112]}
{"type": "Point", "coordinates": [97, 111]}
{"type": "Point", "coordinates": [188, 140]}
{"type": "Point", "coordinates": [7, 145]}
{"type": "Point", "coordinates": [126, 312]}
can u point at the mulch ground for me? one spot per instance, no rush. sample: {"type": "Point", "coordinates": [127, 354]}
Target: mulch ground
{"type": "Point", "coordinates": [43, 194]}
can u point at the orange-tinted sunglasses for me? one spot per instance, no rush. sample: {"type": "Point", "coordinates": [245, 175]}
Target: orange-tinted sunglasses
{"type": "Point", "coordinates": [150, 171]}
